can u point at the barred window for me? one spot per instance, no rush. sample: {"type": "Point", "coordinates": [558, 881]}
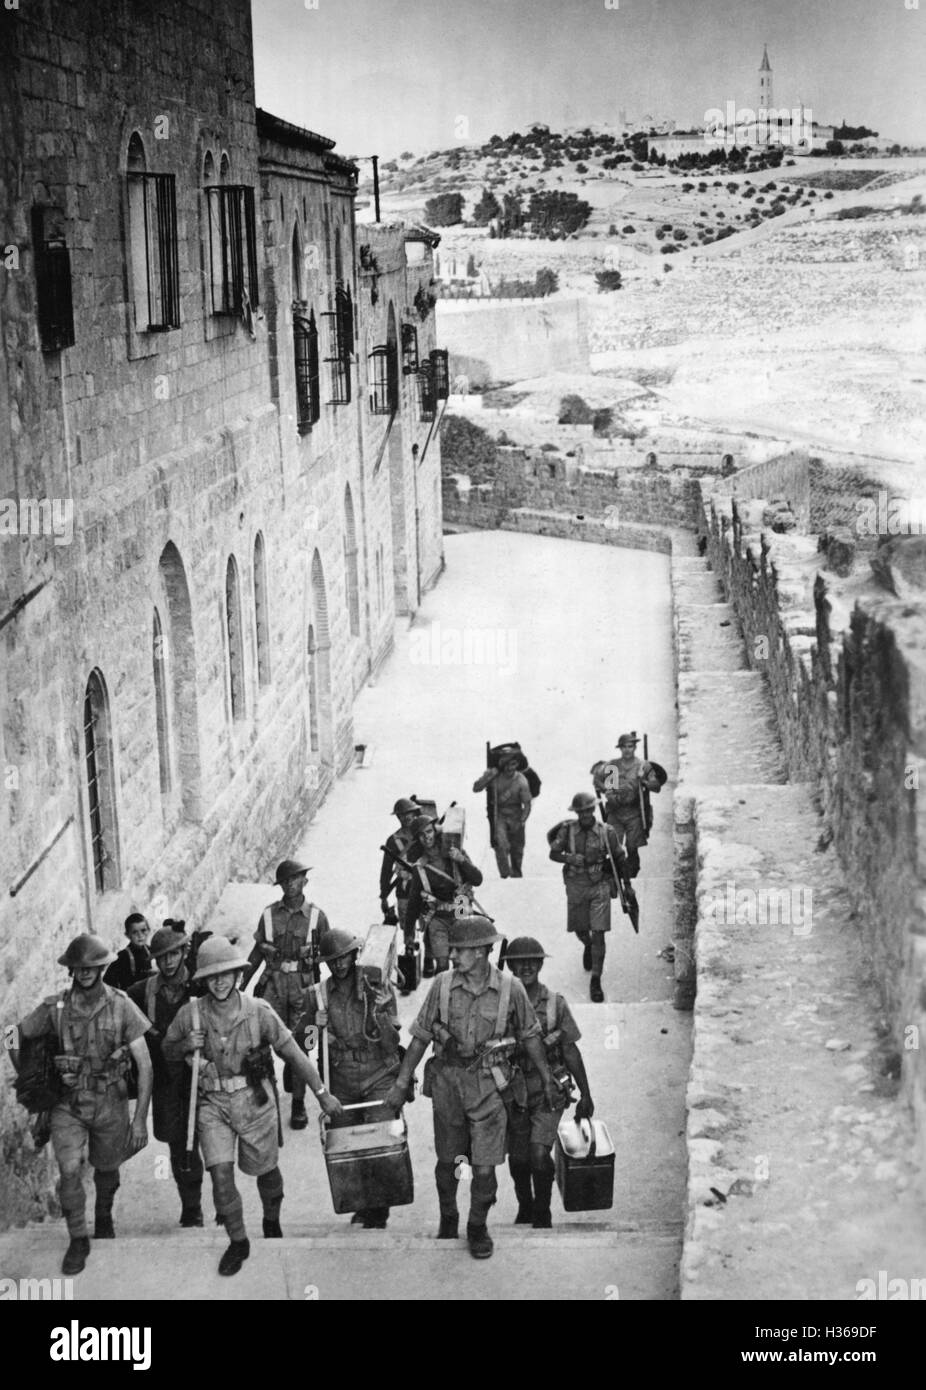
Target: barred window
{"type": "Point", "coordinates": [53, 284]}
{"type": "Point", "coordinates": [232, 248]}
{"type": "Point", "coordinates": [409, 349]}
{"type": "Point", "coordinates": [341, 326]}
{"type": "Point", "coordinates": [384, 379]}
{"type": "Point", "coordinates": [308, 389]}
{"type": "Point", "coordinates": [440, 370]}
{"type": "Point", "coordinates": [101, 797]}
{"type": "Point", "coordinates": [155, 265]}
{"type": "Point", "coordinates": [427, 393]}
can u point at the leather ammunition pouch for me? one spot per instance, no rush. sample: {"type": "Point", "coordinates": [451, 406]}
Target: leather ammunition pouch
{"type": "Point", "coordinates": [256, 1068]}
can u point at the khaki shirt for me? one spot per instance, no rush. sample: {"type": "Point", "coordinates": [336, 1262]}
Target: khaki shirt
{"type": "Point", "coordinates": [290, 928]}
{"type": "Point", "coordinates": [92, 1034]}
{"type": "Point", "coordinates": [228, 1037]}
{"type": "Point", "coordinates": [473, 1011]}
{"type": "Point", "coordinates": [563, 1023]}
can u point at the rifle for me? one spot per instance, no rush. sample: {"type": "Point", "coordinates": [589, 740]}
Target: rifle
{"type": "Point", "coordinates": [194, 1094]}
{"type": "Point", "coordinates": [431, 869]}
{"type": "Point", "coordinates": [645, 808]}
{"type": "Point", "coordinates": [631, 909]}
{"type": "Point", "coordinates": [491, 805]}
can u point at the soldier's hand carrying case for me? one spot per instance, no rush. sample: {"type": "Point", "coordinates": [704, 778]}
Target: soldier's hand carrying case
{"type": "Point", "coordinates": [584, 1159]}
{"type": "Point", "coordinates": [368, 1164]}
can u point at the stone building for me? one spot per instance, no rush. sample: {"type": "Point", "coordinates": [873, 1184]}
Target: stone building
{"type": "Point", "coordinates": [206, 389]}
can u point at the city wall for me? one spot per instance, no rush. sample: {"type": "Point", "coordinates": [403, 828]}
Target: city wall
{"type": "Point", "coordinates": [511, 340]}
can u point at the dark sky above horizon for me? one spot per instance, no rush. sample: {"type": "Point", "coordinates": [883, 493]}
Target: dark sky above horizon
{"type": "Point", "coordinates": [390, 75]}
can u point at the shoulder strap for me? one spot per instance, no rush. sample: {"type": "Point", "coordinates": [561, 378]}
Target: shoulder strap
{"type": "Point", "coordinates": [551, 1011]}
{"type": "Point", "coordinates": [321, 996]}
{"type": "Point", "coordinates": [314, 913]}
{"type": "Point", "coordinates": [267, 923]}
{"type": "Point", "coordinates": [194, 1010]}
{"type": "Point", "coordinates": [572, 836]}
{"type": "Point", "coordinates": [504, 1000]}
{"type": "Point", "coordinates": [443, 997]}
{"type": "Point", "coordinates": [254, 1019]}
{"type": "Point", "coordinates": [59, 1019]}
{"type": "Point", "coordinates": [425, 882]}
{"type": "Point", "coordinates": [150, 991]}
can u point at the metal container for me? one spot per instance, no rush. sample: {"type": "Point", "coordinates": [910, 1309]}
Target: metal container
{"type": "Point", "coordinates": [377, 958]}
{"type": "Point", "coordinates": [584, 1158]}
{"type": "Point", "coordinates": [453, 827]}
{"type": "Point", "coordinates": [368, 1163]}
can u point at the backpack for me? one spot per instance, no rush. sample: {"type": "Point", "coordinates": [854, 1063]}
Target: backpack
{"type": "Point", "coordinates": [38, 1086]}
{"type": "Point", "coordinates": [533, 781]}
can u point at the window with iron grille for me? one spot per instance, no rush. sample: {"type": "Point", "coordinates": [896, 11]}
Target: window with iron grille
{"type": "Point", "coordinates": [341, 329]}
{"type": "Point", "coordinates": [155, 265]}
{"type": "Point", "coordinates": [98, 757]}
{"type": "Point", "coordinates": [427, 395]}
{"type": "Point", "coordinates": [384, 380]}
{"type": "Point", "coordinates": [440, 370]}
{"type": "Point", "coordinates": [53, 283]}
{"type": "Point", "coordinates": [409, 349]}
{"type": "Point", "coordinates": [232, 247]}
{"type": "Point", "coordinates": [308, 387]}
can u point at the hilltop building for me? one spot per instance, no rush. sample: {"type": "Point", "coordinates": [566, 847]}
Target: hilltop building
{"type": "Point", "coordinates": [233, 395]}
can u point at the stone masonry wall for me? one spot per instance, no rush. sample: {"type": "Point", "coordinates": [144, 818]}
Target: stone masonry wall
{"type": "Point", "coordinates": [510, 340]}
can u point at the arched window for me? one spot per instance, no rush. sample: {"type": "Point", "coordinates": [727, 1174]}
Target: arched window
{"type": "Point", "coordinates": [305, 357]}
{"type": "Point", "coordinates": [296, 265]}
{"type": "Point", "coordinates": [159, 658]}
{"type": "Point", "coordinates": [235, 643]}
{"type": "Point", "coordinates": [153, 257]}
{"type": "Point", "coordinates": [261, 619]}
{"type": "Point", "coordinates": [101, 784]}
{"type": "Point", "coordinates": [351, 576]}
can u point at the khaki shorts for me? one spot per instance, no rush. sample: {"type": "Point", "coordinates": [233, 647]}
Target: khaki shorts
{"type": "Point", "coordinates": [588, 906]}
{"type": "Point", "coordinates": [470, 1120]}
{"type": "Point", "coordinates": [94, 1126]}
{"type": "Point", "coordinates": [535, 1125]}
{"type": "Point", "coordinates": [226, 1119]}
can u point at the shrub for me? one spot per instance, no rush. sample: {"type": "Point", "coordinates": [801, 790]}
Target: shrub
{"type": "Point", "coordinates": [487, 208]}
{"type": "Point", "coordinates": [467, 448]}
{"type": "Point", "coordinates": [557, 212]}
{"type": "Point", "coordinates": [680, 235]}
{"type": "Point", "coordinates": [637, 168]}
{"type": "Point", "coordinates": [581, 168]}
{"type": "Point", "coordinates": [602, 421]}
{"type": "Point", "coordinates": [546, 282]}
{"type": "Point", "coordinates": [687, 187]}
{"type": "Point", "coordinates": [668, 250]}
{"type": "Point", "coordinates": [446, 210]}
{"type": "Point", "coordinates": [629, 230]}
{"type": "Point", "coordinates": [608, 280]}
{"type": "Point", "coordinates": [572, 411]}
{"type": "Point", "coordinates": [612, 230]}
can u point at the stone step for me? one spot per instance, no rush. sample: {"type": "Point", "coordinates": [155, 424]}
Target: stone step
{"type": "Point", "coordinates": [708, 638]}
{"type": "Point", "coordinates": [727, 730]}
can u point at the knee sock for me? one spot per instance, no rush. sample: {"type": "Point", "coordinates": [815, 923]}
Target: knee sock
{"type": "Point", "coordinates": [227, 1200]}
{"type": "Point", "coordinates": [73, 1201]}
{"type": "Point", "coordinates": [107, 1185]}
{"type": "Point", "coordinates": [482, 1196]}
{"type": "Point", "coordinates": [446, 1188]}
{"type": "Point", "coordinates": [270, 1187]}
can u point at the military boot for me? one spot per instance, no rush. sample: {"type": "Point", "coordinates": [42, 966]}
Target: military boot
{"type": "Point", "coordinates": [596, 993]}
{"type": "Point", "coordinates": [191, 1216]}
{"type": "Point", "coordinates": [481, 1243]}
{"type": "Point", "coordinates": [449, 1228]}
{"type": "Point", "coordinates": [75, 1257]}
{"type": "Point", "coordinates": [234, 1256]}
{"type": "Point", "coordinates": [298, 1119]}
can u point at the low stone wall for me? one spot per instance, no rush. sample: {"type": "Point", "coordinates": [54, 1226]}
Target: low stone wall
{"type": "Point", "coordinates": [513, 339]}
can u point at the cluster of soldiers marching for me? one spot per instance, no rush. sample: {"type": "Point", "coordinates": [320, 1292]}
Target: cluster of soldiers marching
{"type": "Point", "coordinates": [168, 1021]}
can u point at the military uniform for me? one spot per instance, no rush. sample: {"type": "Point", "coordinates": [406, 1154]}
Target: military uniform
{"type": "Point", "coordinates": [452, 898]}
{"type": "Point", "coordinates": [92, 1118]}
{"type": "Point", "coordinates": [588, 892]}
{"type": "Point", "coordinates": [536, 1123]}
{"type": "Point", "coordinates": [230, 1115]}
{"type": "Point", "coordinates": [621, 783]}
{"type": "Point", "coordinates": [398, 843]}
{"type": "Point", "coordinates": [512, 802]}
{"type": "Point", "coordinates": [160, 999]}
{"type": "Point", "coordinates": [470, 1119]}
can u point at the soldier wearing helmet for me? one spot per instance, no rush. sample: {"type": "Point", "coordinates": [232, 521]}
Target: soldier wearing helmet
{"type": "Point", "coordinates": [159, 998]}
{"type": "Point", "coordinates": [532, 1128]}
{"type": "Point", "coordinates": [440, 891]}
{"type": "Point", "coordinates": [511, 806]}
{"type": "Point", "coordinates": [99, 1031]}
{"type": "Point", "coordinates": [585, 848]}
{"type": "Point", "coordinates": [363, 1038]}
{"type": "Point", "coordinates": [234, 1034]}
{"type": "Point", "coordinates": [392, 875]}
{"type": "Point", "coordinates": [284, 940]}
{"type": "Point", "coordinates": [474, 1016]}
{"type": "Point", "coordinates": [620, 782]}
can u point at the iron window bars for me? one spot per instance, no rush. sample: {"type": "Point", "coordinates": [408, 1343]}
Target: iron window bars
{"type": "Point", "coordinates": [232, 248]}
{"type": "Point", "coordinates": [308, 389]}
{"type": "Point", "coordinates": [159, 215]}
{"type": "Point", "coordinates": [53, 286]}
{"type": "Point", "coordinates": [409, 349]}
{"type": "Point", "coordinates": [341, 329]}
{"type": "Point", "coordinates": [384, 380]}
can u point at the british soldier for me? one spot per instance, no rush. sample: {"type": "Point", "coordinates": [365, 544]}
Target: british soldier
{"type": "Point", "coordinates": [585, 848]}
{"type": "Point", "coordinates": [439, 891]}
{"type": "Point", "coordinates": [511, 806]}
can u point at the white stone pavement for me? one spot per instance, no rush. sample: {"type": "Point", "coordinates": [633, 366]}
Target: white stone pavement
{"type": "Point", "coordinates": [581, 637]}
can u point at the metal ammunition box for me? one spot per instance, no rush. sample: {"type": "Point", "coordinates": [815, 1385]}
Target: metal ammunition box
{"type": "Point", "coordinates": [377, 958]}
{"type": "Point", "coordinates": [368, 1165]}
{"type": "Point", "coordinates": [584, 1159]}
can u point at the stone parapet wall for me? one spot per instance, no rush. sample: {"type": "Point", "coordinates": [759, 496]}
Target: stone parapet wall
{"type": "Point", "coordinates": [510, 340]}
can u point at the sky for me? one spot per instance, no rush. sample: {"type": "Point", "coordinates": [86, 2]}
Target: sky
{"type": "Point", "coordinates": [383, 76]}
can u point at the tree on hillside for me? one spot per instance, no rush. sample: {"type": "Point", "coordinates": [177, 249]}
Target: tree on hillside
{"type": "Point", "coordinates": [487, 208]}
{"type": "Point", "coordinates": [558, 213]}
{"type": "Point", "coordinates": [512, 218]}
{"type": "Point", "coordinates": [444, 211]}
{"type": "Point", "coordinates": [546, 281]}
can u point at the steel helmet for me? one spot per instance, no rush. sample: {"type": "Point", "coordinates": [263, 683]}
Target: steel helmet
{"type": "Point", "coordinates": [165, 939]}
{"type": "Point", "coordinates": [422, 823]}
{"type": "Point", "coordinates": [217, 955]}
{"type": "Point", "coordinates": [525, 948]}
{"type": "Point", "coordinates": [87, 950]}
{"type": "Point", "coordinates": [583, 801]}
{"type": "Point", "coordinates": [290, 868]}
{"type": "Point", "coordinates": [475, 930]}
{"type": "Point", "coordinates": [404, 805]}
{"type": "Point", "coordinates": [627, 738]}
{"type": "Point", "coordinates": [337, 942]}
